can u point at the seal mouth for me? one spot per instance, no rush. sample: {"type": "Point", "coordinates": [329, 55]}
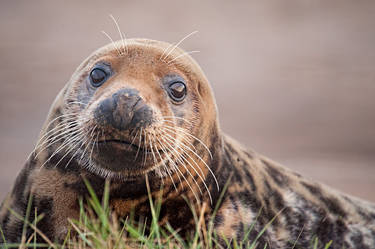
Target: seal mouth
{"type": "Point", "coordinates": [126, 145]}
{"type": "Point", "coordinates": [120, 155]}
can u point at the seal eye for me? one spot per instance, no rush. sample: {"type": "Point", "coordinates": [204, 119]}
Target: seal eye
{"type": "Point", "coordinates": [177, 91]}
{"type": "Point", "coordinates": [98, 77]}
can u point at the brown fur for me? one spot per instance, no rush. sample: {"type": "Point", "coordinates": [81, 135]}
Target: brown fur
{"type": "Point", "coordinates": [259, 189]}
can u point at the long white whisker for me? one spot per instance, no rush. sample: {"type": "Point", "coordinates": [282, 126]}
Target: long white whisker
{"type": "Point", "coordinates": [185, 180]}
{"type": "Point", "coordinates": [119, 30]}
{"type": "Point", "coordinates": [178, 43]}
{"type": "Point", "coordinates": [76, 102]}
{"type": "Point", "coordinates": [71, 158]}
{"type": "Point", "coordinates": [162, 147]}
{"type": "Point", "coordinates": [190, 135]}
{"type": "Point", "coordinates": [60, 116]}
{"type": "Point", "coordinates": [139, 145]}
{"type": "Point", "coordinates": [144, 149]}
{"type": "Point", "coordinates": [172, 139]}
{"type": "Point", "coordinates": [92, 149]}
{"type": "Point", "coordinates": [50, 143]}
{"type": "Point", "coordinates": [166, 169]}
{"type": "Point", "coordinates": [165, 119]}
{"type": "Point", "coordinates": [164, 131]}
{"type": "Point", "coordinates": [113, 42]}
{"type": "Point", "coordinates": [165, 50]}
{"type": "Point", "coordinates": [72, 147]}
{"type": "Point", "coordinates": [208, 167]}
{"type": "Point", "coordinates": [152, 150]}
{"type": "Point", "coordinates": [87, 145]}
{"type": "Point", "coordinates": [178, 157]}
{"type": "Point", "coordinates": [62, 146]}
{"type": "Point", "coordinates": [72, 117]}
{"type": "Point", "coordinates": [51, 137]}
{"type": "Point", "coordinates": [84, 152]}
{"type": "Point", "coordinates": [182, 55]}
{"type": "Point", "coordinates": [186, 160]}
{"type": "Point", "coordinates": [126, 44]}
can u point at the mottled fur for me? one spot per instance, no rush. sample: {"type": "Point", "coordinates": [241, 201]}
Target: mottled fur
{"type": "Point", "coordinates": [259, 189]}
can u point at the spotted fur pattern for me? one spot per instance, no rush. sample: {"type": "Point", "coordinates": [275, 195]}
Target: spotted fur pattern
{"type": "Point", "coordinates": [260, 192]}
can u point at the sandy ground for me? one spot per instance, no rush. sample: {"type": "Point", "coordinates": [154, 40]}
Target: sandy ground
{"type": "Point", "coordinates": [294, 80]}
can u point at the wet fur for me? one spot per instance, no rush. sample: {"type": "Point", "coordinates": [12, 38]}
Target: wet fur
{"type": "Point", "coordinates": [259, 188]}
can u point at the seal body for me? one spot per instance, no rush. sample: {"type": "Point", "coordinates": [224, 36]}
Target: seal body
{"type": "Point", "coordinates": [140, 110]}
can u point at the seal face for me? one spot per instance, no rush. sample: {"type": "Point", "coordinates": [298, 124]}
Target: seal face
{"type": "Point", "coordinates": [138, 112]}
{"type": "Point", "coordinates": [145, 110]}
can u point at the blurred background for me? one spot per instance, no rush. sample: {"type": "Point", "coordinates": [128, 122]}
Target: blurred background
{"type": "Point", "coordinates": [294, 79]}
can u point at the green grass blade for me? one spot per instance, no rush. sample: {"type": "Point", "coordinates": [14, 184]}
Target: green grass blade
{"type": "Point", "coordinates": [328, 245]}
{"type": "Point", "coordinates": [3, 237]}
{"type": "Point", "coordinates": [27, 216]}
{"type": "Point", "coordinates": [265, 228]}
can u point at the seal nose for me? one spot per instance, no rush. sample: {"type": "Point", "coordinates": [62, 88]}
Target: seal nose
{"type": "Point", "coordinates": [124, 110]}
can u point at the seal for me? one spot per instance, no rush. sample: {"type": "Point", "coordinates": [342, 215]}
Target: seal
{"type": "Point", "coordinates": [139, 112]}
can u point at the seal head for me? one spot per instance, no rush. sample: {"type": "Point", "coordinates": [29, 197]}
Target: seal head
{"type": "Point", "coordinates": [147, 107]}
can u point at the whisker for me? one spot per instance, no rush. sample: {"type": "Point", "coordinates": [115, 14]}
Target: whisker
{"type": "Point", "coordinates": [57, 130]}
{"type": "Point", "coordinates": [166, 168]}
{"type": "Point", "coordinates": [76, 102]}
{"type": "Point", "coordinates": [169, 160]}
{"type": "Point", "coordinates": [119, 30]}
{"type": "Point", "coordinates": [90, 157]}
{"type": "Point", "coordinates": [62, 146]}
{"type": "Point", "coordinates": [87, 145]}
{"type": "Point", "coordinates": [61, 116]}
{"type": "Point", "coordinates": [178, 157]}
{"type": "Point", "coordinates": [139, 146]}
{"type": "Point", "coordinates": [165, 50]}
{"type": "Point", "coordinates": [183, 176]}
{"type": "Point", "coordinates": [178, 43]}
{"type": "Point", "coordinates": [126, 44]}
{"type": "Point", "coordinates": [72, 147]}
{"type": "Point", "coordinates": [182, 55]}
{"type": "Point", "coordinates": [113, 42]}
{"type": "Point", "coordinates": [71, 158]}
{"type": "Point", "coordinates": [217, 184]}
{"type": "Point", "coordinates": [165, 118]}
{"type": "Point", "coordinates": [52, 142]}
{"type": "Point", "coordinates": [68, 125]}
{"type": "Point", "coordinates": [152, 150]}
{"type": "Point", "coordinates": [190, 135]}
{"type": "Point", "coordinates": [71, 115]}
{"type": "Point", "coordinates": [172, 140]}
{"type": "Point", "coordinates": [47, 135]}
{"type": "Point", "coordinates": [144, 149]}
{"type": "Point", "coordinates": [96, 142]}
{"type": "Point", "coordinates": [195, 170]}
{"type": "Point", "coordinates": [132, 142]}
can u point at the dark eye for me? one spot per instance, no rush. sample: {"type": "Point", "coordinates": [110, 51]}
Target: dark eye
{"type": "Point", "coordinates": [98, 77]}
{"type": "Point", "coordinates": [177, 91]}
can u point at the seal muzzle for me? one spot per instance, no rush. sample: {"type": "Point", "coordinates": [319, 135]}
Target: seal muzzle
{"type": "Point", "coordinates": [124, 110]}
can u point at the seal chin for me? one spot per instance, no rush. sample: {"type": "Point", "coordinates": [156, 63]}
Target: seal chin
{"type": "Point", "coordinates": [121, 155]}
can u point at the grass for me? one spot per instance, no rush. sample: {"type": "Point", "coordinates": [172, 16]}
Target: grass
{"type": "Point", "coordinates": [99, 228]}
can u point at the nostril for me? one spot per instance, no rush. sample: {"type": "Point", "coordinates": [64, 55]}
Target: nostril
{"type": "Point", "coordinates": [107, 105]}
{"type": "Point", "coordinates": [137, 104]}
{"type": "Point", "coordinates": [142, 116]}
{"type": "Point", "coordinates": [103, 113]}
